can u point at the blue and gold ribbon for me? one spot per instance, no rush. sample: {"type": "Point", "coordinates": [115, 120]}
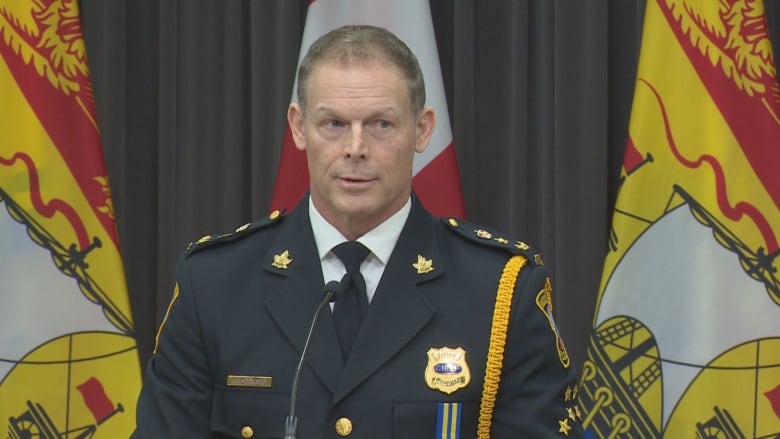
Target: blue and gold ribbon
{"type": "Point", "coordinates": [448, 420]}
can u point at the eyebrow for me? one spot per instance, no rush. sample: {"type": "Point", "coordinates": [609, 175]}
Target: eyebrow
{"type": "Point", "coordinates": [384, 111]}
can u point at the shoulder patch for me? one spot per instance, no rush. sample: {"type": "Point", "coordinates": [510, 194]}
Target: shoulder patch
{"type": "Point", "coordinates": [245, 230]}
{"type": "Point", "coordinates": [492, 238]}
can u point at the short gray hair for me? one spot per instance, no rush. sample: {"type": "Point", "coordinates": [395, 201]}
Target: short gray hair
{"type": "Point", "coordinates": [357, 44]}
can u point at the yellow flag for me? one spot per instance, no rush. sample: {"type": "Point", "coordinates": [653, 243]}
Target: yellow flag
{"type": "Point", "coordinates": [686, 334]}
{"type": "Point", "coordinates": [68, 358]}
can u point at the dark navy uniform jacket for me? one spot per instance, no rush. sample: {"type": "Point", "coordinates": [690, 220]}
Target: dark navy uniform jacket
{"type": "Point", "coordinates": [229, 346]}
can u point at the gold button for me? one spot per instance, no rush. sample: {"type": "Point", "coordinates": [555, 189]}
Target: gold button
{"type": "Point", "coordinates": [344, 427]}
{"type": "Point", "coordinates": [247, 432]}
{"type": "Point", "coordinates": [453, 222]}
{"type": "Point", "coordinates": [274, 215]}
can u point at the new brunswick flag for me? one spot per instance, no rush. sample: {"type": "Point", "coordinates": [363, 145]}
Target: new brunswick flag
{"type": "Point", "coordinates": [686, 335]}
{"type": "Point", "coordinates": [68, 359]}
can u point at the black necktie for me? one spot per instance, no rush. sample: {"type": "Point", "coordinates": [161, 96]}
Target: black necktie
{"type": "Point", "coordinates": [351, 306]}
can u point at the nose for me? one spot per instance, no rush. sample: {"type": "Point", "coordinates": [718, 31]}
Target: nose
{"type": "Point", "coordinates": [354, 143]}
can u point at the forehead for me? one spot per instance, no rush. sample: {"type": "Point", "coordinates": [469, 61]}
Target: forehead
{"type": "Point", "coordinates": [360, 79]}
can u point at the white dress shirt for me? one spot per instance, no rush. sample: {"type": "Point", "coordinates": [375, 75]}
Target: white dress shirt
{"type": "Point", "coordinates": [380, 241]}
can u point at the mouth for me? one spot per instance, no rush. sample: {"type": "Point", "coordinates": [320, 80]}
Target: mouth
{"type": "Point", "coordinates": [353, 179]}
{"type": "Point", "coordinates": [354, 182]}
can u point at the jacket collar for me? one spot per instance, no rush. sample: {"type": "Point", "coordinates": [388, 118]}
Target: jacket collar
{"type": "Point", "coordinates": [414, 260]}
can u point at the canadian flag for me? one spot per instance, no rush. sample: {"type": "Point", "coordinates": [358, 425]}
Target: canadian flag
{"type": "Point", "coordinates": [436, 180]}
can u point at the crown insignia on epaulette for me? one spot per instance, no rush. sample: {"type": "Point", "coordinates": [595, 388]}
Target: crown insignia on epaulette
{"type": "Point", "coordinates": [481, 234]}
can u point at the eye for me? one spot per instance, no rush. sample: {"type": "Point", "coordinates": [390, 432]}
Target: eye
{"type": "Point", "coordinates": [380, 123]}
{"type": "Point", "coordinates": [331, 129]}
{"type": "Point", "coordinates": [332, 123]}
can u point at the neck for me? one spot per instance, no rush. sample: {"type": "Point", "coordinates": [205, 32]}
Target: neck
{"type": "Point", "coordinates": [354, 225]}
{"type": "Point", "coordinates": [353, 228]}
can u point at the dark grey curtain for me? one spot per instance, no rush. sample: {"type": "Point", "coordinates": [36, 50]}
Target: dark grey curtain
{"type": "Point", "coordinates": [192, 97]}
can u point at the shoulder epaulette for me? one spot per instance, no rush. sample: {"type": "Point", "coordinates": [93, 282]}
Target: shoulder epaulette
{"type": "Point", "coordinates": [245, 230]}
{"type": "Point", "coordinates": [492, 238]}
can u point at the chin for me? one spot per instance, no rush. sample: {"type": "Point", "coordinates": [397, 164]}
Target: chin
{"type": "Point", "coordinates": [357, 208]}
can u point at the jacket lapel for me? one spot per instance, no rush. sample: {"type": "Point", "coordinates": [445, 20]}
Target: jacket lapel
{"type": "Point", "coordinates": [397, 299]}
{"type": "Point", "coordinates": [293, 305]}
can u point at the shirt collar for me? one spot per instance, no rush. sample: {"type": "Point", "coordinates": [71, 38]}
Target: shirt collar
{"type": "Point", "coordinates": [380, 240]}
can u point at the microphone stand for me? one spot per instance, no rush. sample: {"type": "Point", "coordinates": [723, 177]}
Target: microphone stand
{"type": "Point", "coordinates": [291, 422]}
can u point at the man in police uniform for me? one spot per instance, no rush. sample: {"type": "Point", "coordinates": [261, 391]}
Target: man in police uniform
{"type": "Point", "coordinates": [458, 339]}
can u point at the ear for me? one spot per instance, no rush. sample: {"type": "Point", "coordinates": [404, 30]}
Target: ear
{"type": "Point", "coordinates": [295, 120]}
{"type": "Point", "coordinates": [426, 122]}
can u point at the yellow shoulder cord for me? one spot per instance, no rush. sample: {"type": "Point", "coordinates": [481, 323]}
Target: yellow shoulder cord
{"type": "Point", "coordinates": [165, 319]}
{"type": "Point", "coordinates": [495, 357]}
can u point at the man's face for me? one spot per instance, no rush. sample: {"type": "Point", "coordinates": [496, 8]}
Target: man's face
{"type": "Point", "coordinates": [360, 135]}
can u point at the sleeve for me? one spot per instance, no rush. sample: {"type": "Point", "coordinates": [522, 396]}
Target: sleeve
{"type": "Point", "coordinates": [175, 400]}
{"type": "Point", "coordinates": [538, 387]}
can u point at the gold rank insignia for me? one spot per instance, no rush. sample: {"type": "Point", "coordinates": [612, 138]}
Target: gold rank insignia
{"type": "Point", "coordinates": [423, 265]}
{"type": "Point", "coordinates": [202, 239]}
{"type": "Point", "coordinates": [447, 370]}
{"type": "Point", "coordinates": [521, 245]}
{"type": "Point", "coordinates": [484, 234]}
{"type": "Point", "coordinates": [572, 414]}
{"type": "Point", "coordinates": [564, 426]}
{"type": "Point", "coordinates": [282, 261]}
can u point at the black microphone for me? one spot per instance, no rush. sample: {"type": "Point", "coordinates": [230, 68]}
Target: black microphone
{"type": "Point", "coordinates": [291, 423]}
